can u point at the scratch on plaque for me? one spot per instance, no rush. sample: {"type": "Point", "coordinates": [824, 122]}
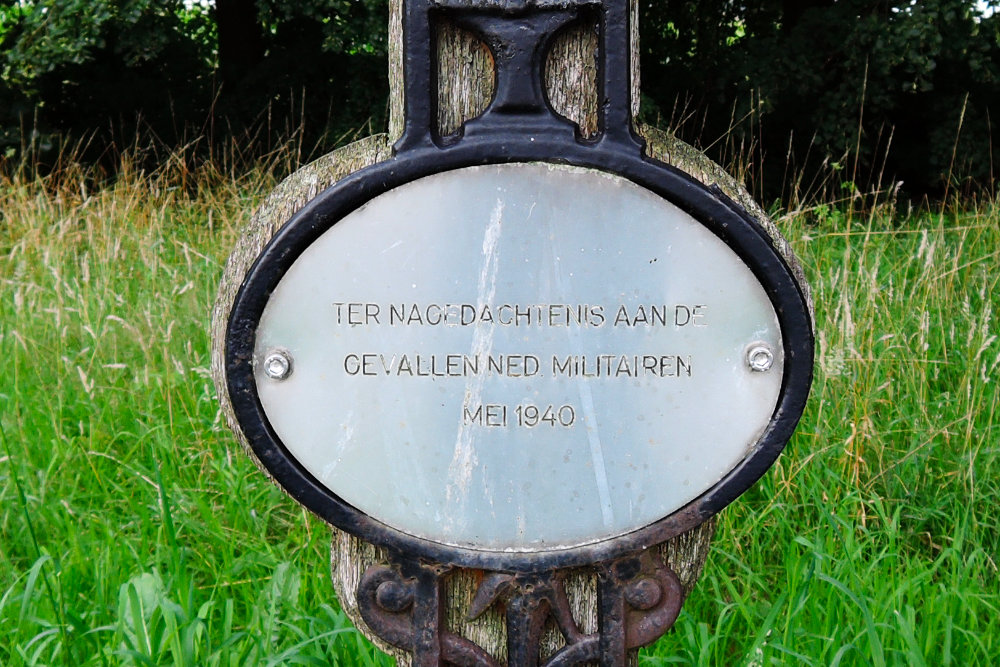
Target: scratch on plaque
{"type": "Point", "coordinates": [597, 455]}
{"type": "Point", "coordinates": [464, 460]}
{"type": "Point", "coordinates": [342, 442]}
{"type": "Point", "coordinates": [590, 415]}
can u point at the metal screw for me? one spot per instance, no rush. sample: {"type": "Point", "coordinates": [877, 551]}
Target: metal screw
{"type": "Point", "coordinates": [278, 365]}
{"type": "Point", "coordinates": [760, 358]}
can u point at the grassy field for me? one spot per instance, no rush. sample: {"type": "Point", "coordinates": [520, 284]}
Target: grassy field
{"type": "Point", "coordinates": [135, 532]}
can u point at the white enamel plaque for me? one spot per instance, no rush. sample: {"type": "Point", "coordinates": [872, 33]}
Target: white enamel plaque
{"type": "Point", "coordinates": [518, 358]}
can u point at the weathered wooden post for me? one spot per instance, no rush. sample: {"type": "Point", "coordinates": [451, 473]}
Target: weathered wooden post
{"type": "Point", "coordinates": [492, 354]}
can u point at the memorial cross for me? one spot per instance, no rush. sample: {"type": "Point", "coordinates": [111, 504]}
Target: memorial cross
{"type": "Point", "coordinates": [493, 354]}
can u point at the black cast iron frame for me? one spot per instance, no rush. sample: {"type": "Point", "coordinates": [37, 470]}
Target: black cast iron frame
{"type": "Point", "coordinates": [519, 126]}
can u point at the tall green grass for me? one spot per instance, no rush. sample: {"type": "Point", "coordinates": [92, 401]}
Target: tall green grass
{"type": "Point", "coordinates": [875, 539]}
{"type": "Point", "coordinates": [135, 532]}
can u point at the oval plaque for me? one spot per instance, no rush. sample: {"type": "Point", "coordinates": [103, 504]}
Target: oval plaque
{"type": "Point", "coordinates": [518, 357]}
{"type": "Point", "coordinates": [514, 358]}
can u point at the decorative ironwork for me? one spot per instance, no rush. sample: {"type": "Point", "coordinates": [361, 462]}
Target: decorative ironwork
{"type": "Point", "coordinates": [639, 599]}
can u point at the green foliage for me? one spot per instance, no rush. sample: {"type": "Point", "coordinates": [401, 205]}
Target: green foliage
{"type": "Point", "coordinates": [106, 71]}
{"type": "Point", "coordinates": [93, 68]}
{"type": "Point", "coordinates": [46, 36]}
{"type": "Point", "coordinates": [904, 88]}
{"type": "Point", "coordinates": [348, 26]}
{"type": "Point", "coordinates": [894, 89]}
{"type": "Point", "coordinates": [316, 66]}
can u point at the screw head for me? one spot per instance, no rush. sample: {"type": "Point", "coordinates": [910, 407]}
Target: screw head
{"type": "Point", "coordinates": [760, 358]}
{"type": "Point", "coordinates": [278, 365]}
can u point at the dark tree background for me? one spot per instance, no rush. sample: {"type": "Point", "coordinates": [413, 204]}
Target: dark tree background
{"type": "Point", "coordinates": [883, 91]}
{"type": "Point", "coordinates": [867, 92]}
{"type": "Point", "coordinates": [109, 73]}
